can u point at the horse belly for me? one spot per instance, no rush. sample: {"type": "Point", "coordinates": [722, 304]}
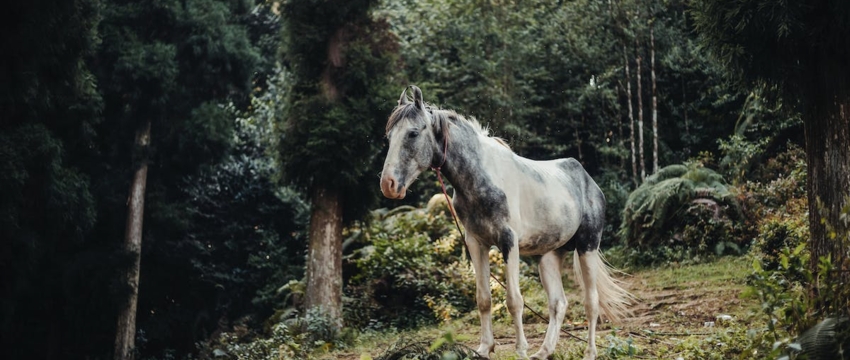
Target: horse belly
{"type": "Point", "coordinates": [547, 228]}
{"type": "Point", "coordinates": [541, 243]}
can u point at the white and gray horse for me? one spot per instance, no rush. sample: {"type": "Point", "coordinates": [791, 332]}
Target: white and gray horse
{"type": "Point", "coordinates": [521, 206]}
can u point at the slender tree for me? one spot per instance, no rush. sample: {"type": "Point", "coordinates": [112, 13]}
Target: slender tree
{"type": "Point", "coordinates": [631, 115]}
{"type": "Point", "coordinates": [342, 60]}
{"type": "Point", "coordinates": [642, 163]}
{"type": "Point", "coordinates": [165, 68]}
{"type": "Point", "coordinates": [654, 99]}
{"type": "Point", "coordinates": [126, 328]}
{"type": "Point", "coordinates": [804, 49]}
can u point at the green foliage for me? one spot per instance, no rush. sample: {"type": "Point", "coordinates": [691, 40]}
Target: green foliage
{"type": "Point", "coordinates": [422, 351]}
{"type": "Point", "coordinates": [245, 237]}
{"type": "Point", "coordinates": [620, 348]}
{"type": "Point", "coordinates": [298, 338]}
{"type": "Point", "coordinates": [782, 278]}
{"type": "Point", "coordinates": [616, 194]}
{"type": "Point", "coordinates": [409, 272]}
{"type": "Point", "coordinates": [784, 43]}
{"type": "Point", "coordinates": [775, 204]}
{"type": "Point", "coordinates": [549, 77]}
{"type": "Point", "coordinates": [49, 101]}
{"type": "Point", "coordinates": [279, 345]}
{"type": "Point", "coordinates": [681, 213]}
{"type": "Point", "coordinates": [342, 61]}
{"type": "Point", "coordinates": [739, 155]}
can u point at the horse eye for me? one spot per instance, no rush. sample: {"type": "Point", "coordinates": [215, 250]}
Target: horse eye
{"type": "Point", "coordinates": [413, 134]}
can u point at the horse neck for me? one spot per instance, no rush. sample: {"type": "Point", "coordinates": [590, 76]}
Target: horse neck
{"type": "Point", "coordinates": [464, 166]}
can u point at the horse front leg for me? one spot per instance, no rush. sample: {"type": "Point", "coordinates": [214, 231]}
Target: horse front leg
{"type": "Point", "coordinates": [481, 265]}
{"type": "Point", "coordinates": [510, 251]}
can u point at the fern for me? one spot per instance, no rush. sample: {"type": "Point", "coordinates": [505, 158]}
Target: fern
{"type": "Point", "coordinates": [657, 210]}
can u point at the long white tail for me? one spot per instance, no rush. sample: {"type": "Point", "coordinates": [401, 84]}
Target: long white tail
{"type": "Point", "coordinates": [614, 300]}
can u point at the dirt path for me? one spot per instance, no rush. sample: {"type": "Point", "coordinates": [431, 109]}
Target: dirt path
{"type": "Point", "coordinates": [676, 304]}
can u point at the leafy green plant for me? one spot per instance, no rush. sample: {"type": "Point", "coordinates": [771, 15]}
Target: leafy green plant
{"type": "Point", "coordinates": [619, 348]}
{"type": "Point", "coordinates": [681, 213]}
{"type": "Point", "coordinates": [410, 271]}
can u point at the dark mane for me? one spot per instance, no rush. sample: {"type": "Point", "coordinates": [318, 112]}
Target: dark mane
{"type": "Point", "coordinates": [442, 117]}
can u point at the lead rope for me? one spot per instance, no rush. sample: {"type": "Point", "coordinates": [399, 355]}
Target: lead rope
{"type": "Point", "coordinates": [463, 237]}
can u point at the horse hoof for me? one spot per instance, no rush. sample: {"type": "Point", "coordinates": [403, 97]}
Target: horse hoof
{"type": "Point", "coordinates": [484, 351]}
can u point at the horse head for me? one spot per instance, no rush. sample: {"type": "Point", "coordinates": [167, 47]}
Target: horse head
{"type": "Point", "coordinates": [413, 134]}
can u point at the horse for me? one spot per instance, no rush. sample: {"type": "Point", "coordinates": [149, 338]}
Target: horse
{"type": "Point", "coordinates": [521, 206]}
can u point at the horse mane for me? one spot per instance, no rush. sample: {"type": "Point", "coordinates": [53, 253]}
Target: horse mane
{"type": "Point", "coordinates": [443, 117]}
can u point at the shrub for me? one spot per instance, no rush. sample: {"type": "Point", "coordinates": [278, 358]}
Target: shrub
{"type": "Point", "coordinates": [794, 297]}
{"type": "Point", "coordinates": [295, 338]}
{"type": "Point", "coordinates": [682, 213]}
{"type": "Point", "coordinates": [616, 194]}
{"type": "Point", "coordinates": [411, 271]}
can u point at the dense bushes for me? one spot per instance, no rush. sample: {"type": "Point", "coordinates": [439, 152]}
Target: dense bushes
{"type": "Point", "coordinates": [682, 213]}
{"type": "Point", "coordinates": [791, 294]}
{"type": "Point", "coordinates": [410, 271]}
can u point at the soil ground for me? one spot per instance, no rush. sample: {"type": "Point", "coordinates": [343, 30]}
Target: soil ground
{"type": "Point", "coordinates": [679, 307]}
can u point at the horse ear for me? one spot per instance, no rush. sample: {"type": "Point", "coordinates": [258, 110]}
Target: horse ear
{"type": "Point", "coordinates": [403, 99]}
{"type": "Point", "coordinates": [417, 97]}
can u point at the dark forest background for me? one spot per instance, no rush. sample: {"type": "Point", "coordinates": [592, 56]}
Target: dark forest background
{"type": "Point", "coordinates": [255, 107]}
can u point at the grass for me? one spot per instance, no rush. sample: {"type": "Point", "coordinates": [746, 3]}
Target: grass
{"type": "Point", "coordinates": [677, 317]}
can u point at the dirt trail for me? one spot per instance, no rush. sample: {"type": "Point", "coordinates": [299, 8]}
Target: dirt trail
{"type": "Point", "coordinates": [675, 304]}
{"type": "Point", "coordinates": [674, 311]}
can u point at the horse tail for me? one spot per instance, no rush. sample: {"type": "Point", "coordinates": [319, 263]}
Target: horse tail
{"type": "Point", "coordinates": [591, 269]}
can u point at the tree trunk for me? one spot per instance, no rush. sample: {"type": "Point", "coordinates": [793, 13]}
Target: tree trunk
{"type": "Point", "coordinates": [631, 116]}
{"type": "Point", "coordinates": [684, 88]}
{"type": "Point", "coordinates": [620, 140]}
{"type": "Point", "coordinates": [125, 334]}
{"type": "Point", "coordinates": [685, 106]}
{"type": "Point", "coordinates": [642, 163]}
{"type": "Point", "coordinates": [324, 259]}
{"type": "Point", "coordinates": [654, 103]}
{"type": "Point", "coordinates": [827, 127]}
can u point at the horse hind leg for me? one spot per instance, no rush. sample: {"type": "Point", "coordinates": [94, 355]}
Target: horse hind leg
{"type": "Point", "coordinates": [602, 293]}
{"type": "Point", "coordinates": [586, 269]}
{"type": "Point", "coordinates": [550, 277]}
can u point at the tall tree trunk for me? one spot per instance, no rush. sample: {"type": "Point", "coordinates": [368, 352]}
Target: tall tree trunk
{"type": "Point", "coordinates": [827, 127]}
{"type": "Point", "coordinates": [125, 334]}
{"type": "Point", "coordinates": [654, 102]}
{"type": "Point", "coordinates": [620, 139]}
{"type": "Point", "coordinates": [631, 115]}
{"type": "Point", "coordinates": [324, 259]}
{"type": "Point", "coordinates": [685, 106]}
{"type": "Point", "coordinates": [642, 163]}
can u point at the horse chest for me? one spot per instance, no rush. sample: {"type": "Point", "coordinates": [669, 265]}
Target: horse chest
{"type": "Point", "coordinates": [484, 215]}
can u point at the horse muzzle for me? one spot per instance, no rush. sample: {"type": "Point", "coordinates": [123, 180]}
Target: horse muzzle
{"type": "Point", "coordinates": [392, 188]}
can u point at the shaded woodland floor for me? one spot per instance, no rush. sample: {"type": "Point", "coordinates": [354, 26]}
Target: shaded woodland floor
{"type": "Point", "coordinates": [684, 311]}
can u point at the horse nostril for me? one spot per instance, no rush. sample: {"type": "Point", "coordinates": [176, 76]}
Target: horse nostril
{"type": "Point", "coordinates": [392, 183]}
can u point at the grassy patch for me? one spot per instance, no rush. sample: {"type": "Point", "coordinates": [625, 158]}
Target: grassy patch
{"type": "Point", "coordinates": [691, 311]}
